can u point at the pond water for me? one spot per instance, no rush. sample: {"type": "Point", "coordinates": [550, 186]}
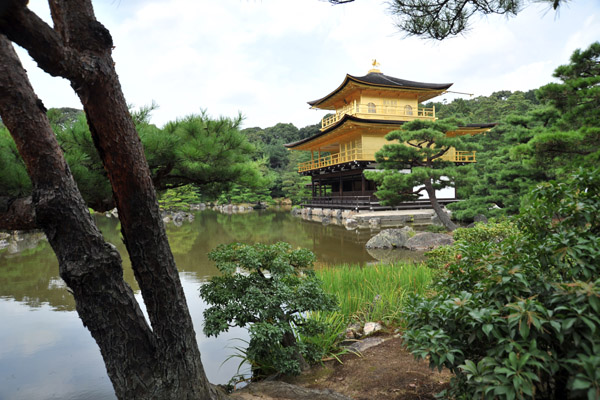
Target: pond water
{"type": "Point", "coordinates": [46, 353]}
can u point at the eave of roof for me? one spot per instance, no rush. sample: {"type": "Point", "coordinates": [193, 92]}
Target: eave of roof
{"type": "Point", "coordinates": [338, 124]}
{"type": "Point", "coordinates": [377, 79]}
{"type": "Point", "coordinates": [352, 118]}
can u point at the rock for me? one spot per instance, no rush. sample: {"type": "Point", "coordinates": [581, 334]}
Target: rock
{"type": "Point", "coordinates": [337, 214]}
{"type": "Point", "coordinates": [350, 223]}
{"type": "Point", "coordinates": [390, 238]}
{"type": "Point", "coordinates": [428, 241]}
{"type": "Point", "coordinates": [375, 223]}
{"type": "Point", "coordinates": [365, 344]}
{"type": "Point", "coordinates": [372, 327]}
{"type": "Point", "coordinates": [353, 331]}
{"type": "Point", "coordinates": [480, 218]}
{"type": "Point", "coordinates": [325, 220]}
{"type": "Point", "coordinates": [296, 211]}
{"type": "Point", "coordinates": [348, 214]}
{"type": "Point", "coordinates": [267, 390]}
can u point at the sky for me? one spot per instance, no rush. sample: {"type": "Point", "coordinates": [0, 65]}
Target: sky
{"type": "Point", "coordinates": [266, 59]}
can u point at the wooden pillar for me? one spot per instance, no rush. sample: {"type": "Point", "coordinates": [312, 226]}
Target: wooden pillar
{"type": "Point", "coordinates": [312, 185]}
{"type": "Point", "coordinates": [363, 184]}
{"type": "Point", "coordinates": [341, 186]}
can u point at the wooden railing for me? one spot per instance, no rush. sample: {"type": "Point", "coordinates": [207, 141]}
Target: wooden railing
{"type": "Point", "coordinates": [464, 156]}
{"type": "Point", "coordinates": [357, 154]}
{"type": "Point", "coordinates": [343, 201]}
{"type": "Point", "coordinates": [378, 111]}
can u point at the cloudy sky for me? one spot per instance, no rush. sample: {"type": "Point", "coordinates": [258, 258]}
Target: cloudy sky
{"type": "Point", "coordinates": [266, 59]}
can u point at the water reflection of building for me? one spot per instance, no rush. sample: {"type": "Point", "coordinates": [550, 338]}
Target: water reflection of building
{"type": "Point", "coordinates": [366, 109]}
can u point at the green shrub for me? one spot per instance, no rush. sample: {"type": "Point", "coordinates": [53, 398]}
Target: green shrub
{"type": "Point", "coordinates": [436, 229]}
{"type": "Point", "coordinates": [520, 318]}
{"type": "Point", "coordinates": [269, 288]}
{"type": "Point", "coordinates": [491, 233]}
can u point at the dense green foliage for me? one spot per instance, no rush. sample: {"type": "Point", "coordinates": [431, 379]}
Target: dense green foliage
{"type": "Point", "coordinates": [210, 154]}
{"type": "Point", "coordinates": [516, 314]}
{"type": "Point", "coordinates": [537, 138]}
{"type": "Point", "coordinates": [269, 288]}
{"type": "Point", "coordinates": [14, 181]}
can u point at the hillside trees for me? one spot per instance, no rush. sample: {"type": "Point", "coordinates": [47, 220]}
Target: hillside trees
{"type": "Point", "coordinates": [535, 143]}
{"type": "Point", "coordinates": [574, 139]}
{"type": "Point", "coordinates": [158, 358]}
{"type": "Point", "coordinates": [270, 145]}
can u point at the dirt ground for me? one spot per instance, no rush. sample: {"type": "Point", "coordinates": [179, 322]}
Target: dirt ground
{"type": "Point", "coordinates": [384, 372]}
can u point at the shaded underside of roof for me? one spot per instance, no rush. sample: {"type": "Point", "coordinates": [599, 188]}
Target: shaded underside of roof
{"type": "Point", "coordinates": [379, 80]}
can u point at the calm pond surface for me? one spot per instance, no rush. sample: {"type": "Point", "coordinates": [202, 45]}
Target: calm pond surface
{"type": "Point", "coordinates": [46, 353]}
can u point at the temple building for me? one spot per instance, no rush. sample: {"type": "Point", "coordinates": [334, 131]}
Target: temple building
{"type": "Point", "coordinates": [363, 110]}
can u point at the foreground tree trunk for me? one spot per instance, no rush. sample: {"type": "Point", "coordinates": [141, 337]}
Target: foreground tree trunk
{"type": "Point", "coordinates": [143, 362]}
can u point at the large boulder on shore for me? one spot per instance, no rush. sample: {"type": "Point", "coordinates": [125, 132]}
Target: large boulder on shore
{"type": "Point", "coordinates": [390, 238]}
{"type": "Point", "coordinates": [428, 241]}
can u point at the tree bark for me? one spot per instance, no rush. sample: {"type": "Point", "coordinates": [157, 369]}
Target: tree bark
{"type": "Point", "coordinates": [444, 218]}
{"type": "Point", "coordinates": [161, 362]}
{"type": "Point", "coordinates": [17, 214]}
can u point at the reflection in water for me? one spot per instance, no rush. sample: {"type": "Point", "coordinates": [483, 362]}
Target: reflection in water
{"type": "Point", "coordinates": [46, 353]}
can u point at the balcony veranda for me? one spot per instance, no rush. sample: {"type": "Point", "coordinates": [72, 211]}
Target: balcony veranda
{"type": "Point", "coordinates": [358, 154]}
{"type": "Point", "coordinates": [372, 111]}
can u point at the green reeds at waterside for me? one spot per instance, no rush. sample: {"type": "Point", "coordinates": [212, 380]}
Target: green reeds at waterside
{"type": "Point", "coordinates": [375, 292]}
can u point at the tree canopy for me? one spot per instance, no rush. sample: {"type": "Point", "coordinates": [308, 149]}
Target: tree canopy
{"type": "Point", "coordinates": [440, 19]}
{"type": "Point", "coordinates": [415, 163]}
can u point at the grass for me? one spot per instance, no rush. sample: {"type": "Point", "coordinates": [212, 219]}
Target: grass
{"type": "Point", "coordinates": [369, 293]}
{"type": "Point", "coordinates": [374, 293]}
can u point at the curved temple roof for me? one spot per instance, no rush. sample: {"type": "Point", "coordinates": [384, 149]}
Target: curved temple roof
{"type": "Point", "coordinates": [379, 80]}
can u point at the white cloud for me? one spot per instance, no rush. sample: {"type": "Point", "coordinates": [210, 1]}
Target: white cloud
{"type": "Point", "coordinates": [268, 58]}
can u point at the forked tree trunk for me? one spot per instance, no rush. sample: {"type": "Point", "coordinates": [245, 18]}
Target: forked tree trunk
{"type": "Point", "coordinates": [163, 361]}
{"type": "Point", "coordinates": [444, 218]}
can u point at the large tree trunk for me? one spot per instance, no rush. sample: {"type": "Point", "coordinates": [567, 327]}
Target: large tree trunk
{"type": "Point", "coordinates": [142, 362]}
{"type": "Point", "coordinates": [444, 218]}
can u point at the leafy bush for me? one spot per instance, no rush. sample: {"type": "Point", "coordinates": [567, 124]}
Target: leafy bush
{"type": "Point", "coordinates": [491, 233]}
{"type": "Point", "coordinates": [269, 288]}
{"type": "Point", "coordinates": [520, 318]}
{"type": "Point", "coordinates": [436, 229]}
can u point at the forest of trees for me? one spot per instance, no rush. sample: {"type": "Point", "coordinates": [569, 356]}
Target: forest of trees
{"type": "Point", "coordinates": [541, 135]}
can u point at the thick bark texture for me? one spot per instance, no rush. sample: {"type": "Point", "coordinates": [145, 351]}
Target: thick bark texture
{"type": "Point", "coordinates": [142, 362]}
{"type": "Point", "coordinates": [444, 218]}
{"type": "Point", "coordinates": [17, 214]}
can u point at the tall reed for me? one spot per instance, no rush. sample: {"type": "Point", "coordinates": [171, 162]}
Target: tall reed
{"type": "Point", "coordinates": [375, 292]}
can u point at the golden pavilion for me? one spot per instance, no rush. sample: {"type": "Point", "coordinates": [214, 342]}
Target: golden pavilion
{"type": "Point", "coordinates": [363, 110]}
